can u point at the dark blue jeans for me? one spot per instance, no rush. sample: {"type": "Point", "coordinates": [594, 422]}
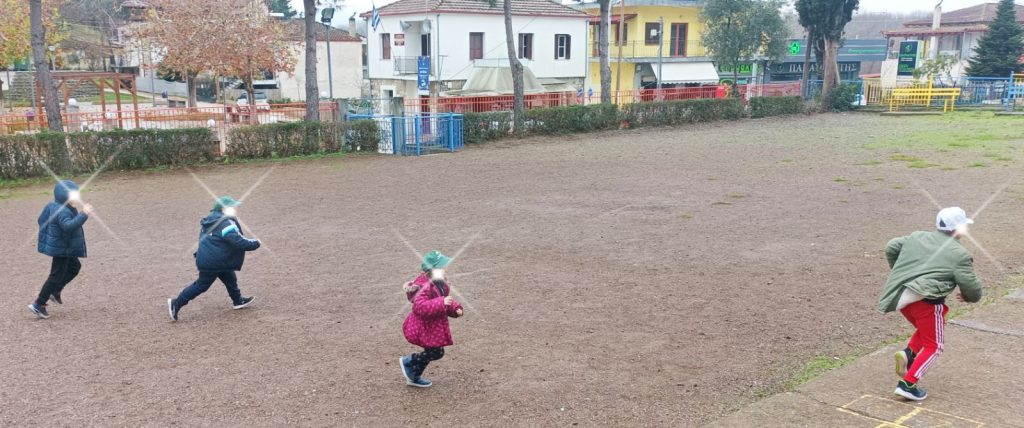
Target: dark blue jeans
{"type": "Point", "coordinates": [204, 282]}
{"type": "Point", "coordinates": [62, 271]}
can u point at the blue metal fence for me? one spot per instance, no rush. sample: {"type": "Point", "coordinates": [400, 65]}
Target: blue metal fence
{"type": "Point", "coordinates": [419, 134]}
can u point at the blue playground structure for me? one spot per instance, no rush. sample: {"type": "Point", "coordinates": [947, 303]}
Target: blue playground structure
{"type": "Point", "coordinates": [1014, 92]}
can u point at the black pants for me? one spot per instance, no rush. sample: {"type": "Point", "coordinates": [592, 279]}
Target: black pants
{"type": "Point", "coordinates": [422, 359]}
{"type": "Point", "coordinates": [62, 271]}
{"type": "Point", "coordinates": [204, 282]}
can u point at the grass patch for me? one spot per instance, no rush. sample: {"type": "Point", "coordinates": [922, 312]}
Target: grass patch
{"type": "Point", "coordinates": [685, 216]}
{"type": "Point", "coordinates": [841, 180]}
{"type": "Point", "coordinates": [818, 366]}
{"type": "Point", "coordinates": [870, 162]}
{"type": "Point", "coordinates": [720, 203]}
{"type": "Point", "coordinates": [737, 195]}
{"type": "Point", "coordinates": [978, 165]}
{"type": "Point", "coordinates": [921, 164]}
{"type": "Point", "coordinates": [787, 161]}
{"type": "Point", "coordinates": [897, 187]}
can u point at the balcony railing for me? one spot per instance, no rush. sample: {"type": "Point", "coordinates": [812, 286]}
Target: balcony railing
{"type": "Point", "coordinates": [672, 48]}
{"type": "Point", "coordinates": [408, 65]}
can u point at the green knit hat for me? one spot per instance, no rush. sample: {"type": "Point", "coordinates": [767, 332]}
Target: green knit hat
{"type": "Point", "coordinates": [435, 260]}
{"type": "Point", "coordinates": [224, 202]}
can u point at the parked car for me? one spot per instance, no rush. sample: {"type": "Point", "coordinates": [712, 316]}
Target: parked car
{"type": "Point", "coordinates": [261, 100]}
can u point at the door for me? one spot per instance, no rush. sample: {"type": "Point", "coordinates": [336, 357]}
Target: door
{"type": "Point", "coordinates": [677, 40]}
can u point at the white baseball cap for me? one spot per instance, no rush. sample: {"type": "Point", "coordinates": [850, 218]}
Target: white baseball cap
{"type": "Point", "coordinates": [951, 219]}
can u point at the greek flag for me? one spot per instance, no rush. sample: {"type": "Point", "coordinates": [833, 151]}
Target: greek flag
{"type": "Point", "coordinates": [375, 18]}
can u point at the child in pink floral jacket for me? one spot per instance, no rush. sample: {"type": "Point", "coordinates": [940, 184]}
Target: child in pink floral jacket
{"type": "Point", "coordinates": [427, 324]}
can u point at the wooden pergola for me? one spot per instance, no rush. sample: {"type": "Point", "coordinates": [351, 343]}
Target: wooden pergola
{"type": "Point", "coordinates": [102, 80]}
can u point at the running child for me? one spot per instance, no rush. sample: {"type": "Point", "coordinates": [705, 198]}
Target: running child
{"type": "Point", "coordinates": [61, 236]}
{"type": "Point", "coordinates": [427, 324]}
{"type": "Point", "coordinates": [926, 268]}
{"type": "Point", "coordinates": [222, 248]}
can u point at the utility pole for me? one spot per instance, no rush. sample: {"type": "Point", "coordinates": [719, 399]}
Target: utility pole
{"type": "Point", "coordinates": [661, 32]}
{"type": "Point", "coordinates": [933, 48]}
{"type": "Point", "coordinates": [622, 32]}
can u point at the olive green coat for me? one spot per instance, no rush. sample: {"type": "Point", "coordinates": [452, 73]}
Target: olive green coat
{"type": "Point", "coordinates": [931, 264]}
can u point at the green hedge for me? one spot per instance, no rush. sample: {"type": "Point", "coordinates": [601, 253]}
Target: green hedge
{"type": "Point", "coordinates": [682, 112]}
{"type": "Point", "coordinates": [301, 138]}
{"type": "Point", "coordinates": [26, 155]}
{"type": "Point", "coordinates": [572, 119]}
{"type": "Point", "coordinates": [775, 106]}
{"type": "Point", "coordinates": [483, 127]}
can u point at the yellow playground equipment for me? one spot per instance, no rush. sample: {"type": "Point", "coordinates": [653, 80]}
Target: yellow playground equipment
{"type": "Point", "coordinates": [922, 96]}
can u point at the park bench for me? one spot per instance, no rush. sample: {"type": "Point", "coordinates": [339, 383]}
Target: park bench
{"type": "Point", "coordinates": [923, 97]}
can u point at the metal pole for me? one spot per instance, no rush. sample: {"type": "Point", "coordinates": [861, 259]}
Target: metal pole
{"type": "Point", "coordinates": [622, 33]}
{"type": "Point", "coordinates": [330, 76]}
{"type": "Point", "coordinates": [152, 77]}
{"type": "Point", "coordinates": [661, 37]}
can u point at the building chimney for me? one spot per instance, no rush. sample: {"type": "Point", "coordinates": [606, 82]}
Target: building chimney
{"type": "Point", "coordinates": [352, 30]}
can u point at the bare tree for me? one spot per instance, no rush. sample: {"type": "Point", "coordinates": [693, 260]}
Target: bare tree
{"type": "Point", "coordinates": [51, 101]}
{"type": "Point", "coordinates": [312, 85]}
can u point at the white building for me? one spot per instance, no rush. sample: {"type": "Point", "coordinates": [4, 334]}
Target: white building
{"type": "Point", "coordinates": [464, 37]}
{"type": "Point", "coordinates": [346, 70]}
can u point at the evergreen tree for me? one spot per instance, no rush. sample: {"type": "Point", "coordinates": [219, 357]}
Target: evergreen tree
{"type": "Point", "coordinates": [999, 51]}
{"type": "Point", "coordinates": [284, 7]}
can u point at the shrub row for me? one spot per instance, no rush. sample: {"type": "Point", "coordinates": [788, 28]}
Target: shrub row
{"type": "Point", "coordinates": [301, 138]}
{"type": "Point", "coordinates": [31, 155]}
{"type": "Point", "coordinates": [775, 106]}
{"type": "Point", "coordinates": [682, 112]}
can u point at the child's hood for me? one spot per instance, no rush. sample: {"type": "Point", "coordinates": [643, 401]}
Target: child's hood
{"type": "Point", "coordinates": [62, 191]}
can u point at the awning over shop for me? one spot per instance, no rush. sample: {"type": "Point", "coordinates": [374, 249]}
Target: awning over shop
{"type": "Point", "coordinates": [687, 72]}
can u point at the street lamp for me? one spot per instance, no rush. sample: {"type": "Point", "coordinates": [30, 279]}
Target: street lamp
{"type": "Point", "coordinates": [326, 16]}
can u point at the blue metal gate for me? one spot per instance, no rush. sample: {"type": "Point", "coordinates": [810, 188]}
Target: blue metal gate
{"type": "Point", "coordinates": [419, 134]}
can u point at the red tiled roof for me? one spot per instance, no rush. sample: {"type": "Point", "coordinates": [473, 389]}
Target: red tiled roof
{"type": "Point", "coordinates": [295, 30]}
{"type": "Point", "coordinates": [927, 31]}
{"type": "Point", "coordinates": [519, 7]}
{"type": "Point", "coordinates": [980, 14]}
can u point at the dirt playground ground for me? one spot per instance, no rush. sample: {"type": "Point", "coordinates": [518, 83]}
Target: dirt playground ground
{"type": "Point", "coordinates": [660, 277]}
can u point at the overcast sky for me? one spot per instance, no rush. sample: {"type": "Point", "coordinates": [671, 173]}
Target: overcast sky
{"type": "Point", "coordinates": [351, 6]}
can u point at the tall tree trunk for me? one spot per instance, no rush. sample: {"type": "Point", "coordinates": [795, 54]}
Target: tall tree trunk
{"type": "Point", "coordinates": [831, 74]}
{"type": "Point", "coordinates": [518, 120]}
{"type": "Point", "coordinates": [51, 101]}
{"type": "Point", "coordinates": [805, 89]}
{"type": "Point", "coordinates": [312, 85]}
{"type": "Point", "coordinates": [602, 51]}
{"type": "Point", "coordinates": [251, 93]}
{"type": "Point", "coordinates": [190, 85]}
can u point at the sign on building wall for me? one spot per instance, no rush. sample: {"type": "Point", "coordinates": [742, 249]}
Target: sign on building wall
{"type": "Point", "coordinates": [423, 75]}
{"type": "Point", "coordinates": [908, 58]}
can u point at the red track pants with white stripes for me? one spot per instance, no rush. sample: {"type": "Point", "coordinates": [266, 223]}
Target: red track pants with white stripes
{"type": "Point", "coordinates": [927, 341]}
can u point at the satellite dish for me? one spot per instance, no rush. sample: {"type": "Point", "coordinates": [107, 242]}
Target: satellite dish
{"type": "Point", "coordinates": [405, 25]}
{"type": "Point", "coordinates": [426, 26]}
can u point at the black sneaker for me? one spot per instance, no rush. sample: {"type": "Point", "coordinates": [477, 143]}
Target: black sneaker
{"type": "Point", "coordinates": [904, 360]}
{"type": "Point", "coordinates": [244, 303]}
{"type": "Point", "coordinates": [55, 298]}
{"type": "Point", "coordinates": [910, 391]}
{"type": "Point", "coordinates": [173, 309]}
{"type": "Point", "coordinates": [39, 310]}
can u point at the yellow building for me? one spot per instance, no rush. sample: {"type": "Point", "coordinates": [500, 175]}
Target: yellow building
{"type": "Point", "coordinates": [674, 56]}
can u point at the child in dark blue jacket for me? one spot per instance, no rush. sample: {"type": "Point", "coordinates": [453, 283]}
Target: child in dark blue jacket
{"type": "Point", "coordinates": [222, 248]}
{"type": "Point", "coordinates": [62, 238]}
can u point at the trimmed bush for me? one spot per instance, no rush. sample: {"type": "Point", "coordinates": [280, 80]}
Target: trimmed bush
{"type": "Point", "coordinates": [25, 155]}
{"type": "Point", "coordinates": [843, 98]}
{"type": "Point", "coordinates": [572, 119]}
{"type": "Point", "coordinates": [682, 112]}
{"type": "Point", "coordinates": [301, 138]}
{"type": "Point", "coordinates": [484, 127]}
{"type": "Point", "coordinates": [775, 106]}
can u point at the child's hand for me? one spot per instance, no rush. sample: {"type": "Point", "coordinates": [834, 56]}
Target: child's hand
{"type": "Point", "coordinates": [87, 209]}
{"type": "Point", "coordinates": [458, 313]}
{"type": "Point", "coordinates": [448, 301]}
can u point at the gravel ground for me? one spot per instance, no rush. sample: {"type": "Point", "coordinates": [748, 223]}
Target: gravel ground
{"type": "Point", "coordinates": [659, 277]}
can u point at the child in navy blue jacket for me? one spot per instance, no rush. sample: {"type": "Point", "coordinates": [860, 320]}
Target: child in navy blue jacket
{"type": "Point", "coordinates": [222, 248]}
{"type": "Point", "coordinates": [62, 238]}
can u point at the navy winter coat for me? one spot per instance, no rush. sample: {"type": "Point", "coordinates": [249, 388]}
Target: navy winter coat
{"type": "Point", "coordinates": [60, 225]}
{"type": "Point", "coordinates": [222, 246]}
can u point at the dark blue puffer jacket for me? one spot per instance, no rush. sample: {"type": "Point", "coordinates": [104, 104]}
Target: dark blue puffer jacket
{"type": "Point", "coordinates": [60, 226]}
{"type": "Point", "coordinates": [222, 246]}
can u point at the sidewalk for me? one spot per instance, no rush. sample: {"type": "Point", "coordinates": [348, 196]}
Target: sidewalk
{"type": "Point", "coordinates": [978, 382]}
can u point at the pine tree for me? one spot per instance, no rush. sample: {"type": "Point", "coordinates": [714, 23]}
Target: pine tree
{"type": "Point", "coordinates": [999, 51]}
{"type": "Point", "coordinates": [283, 7]}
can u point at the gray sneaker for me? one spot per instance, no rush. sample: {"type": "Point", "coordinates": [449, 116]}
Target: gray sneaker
{"type": "Point", "coordinates": [40, 311]}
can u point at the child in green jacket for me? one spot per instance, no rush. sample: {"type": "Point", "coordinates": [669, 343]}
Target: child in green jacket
{"type": "Point", "coordinates": [926, 268]}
